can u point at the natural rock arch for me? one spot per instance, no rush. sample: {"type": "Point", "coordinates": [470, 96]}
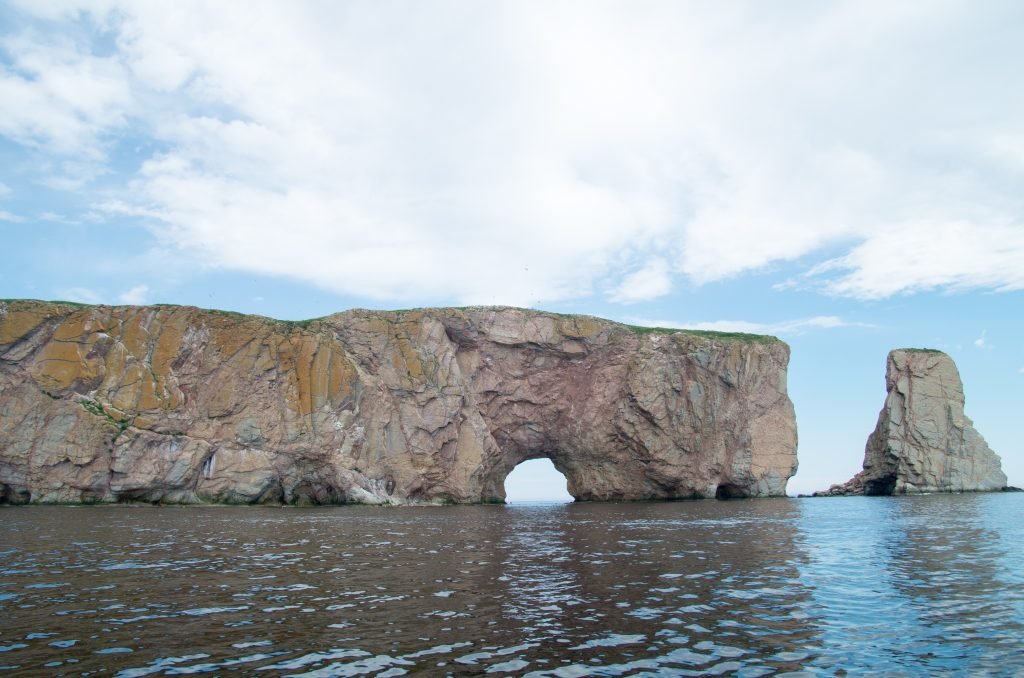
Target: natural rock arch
{"type": "Point", "coordinates": [431, 405]}
{"type": "Point", "coordinates": [536, 479]}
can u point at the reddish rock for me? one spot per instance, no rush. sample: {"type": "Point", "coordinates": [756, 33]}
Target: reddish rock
{"type": "Point", "coordinates": [178, 404]}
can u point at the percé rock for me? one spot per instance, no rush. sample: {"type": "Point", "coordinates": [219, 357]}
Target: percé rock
{"type": "Point", "coordinates": [923, 441]}
{"type": "Point", "coordinates": [182, 405]}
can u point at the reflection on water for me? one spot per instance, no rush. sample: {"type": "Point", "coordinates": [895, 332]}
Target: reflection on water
{"type": "Point", "coordinates": [899, 585]}
{"type": "Point", "coordinates": [950, 565]}
{"type": "Point", "coordinates": [918, 585]}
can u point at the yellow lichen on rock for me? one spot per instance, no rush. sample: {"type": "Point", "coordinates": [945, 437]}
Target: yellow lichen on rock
{"type": "Point", "coordinates": [135, 336]}
{"type": "Point", "coordinates": [168, 344]}
{"type": "Point", "coordinates": [20, 322]}
{"type": "Point", "coordinates": [306, 382]}
{"type": "Point", "coordinates": [406, 360]}
{"type": "Point", "coordinates": [62, 364]}
{"type": "Point", "coordinates": [431, 405]}
{"type": "Point", "coordinates": [323, 376]}
{"type": "Point", "coordinates": [229, 339]}
{"type": "Point", "coordinates": [72, 329]}
{"type": "Point", "coordinates": [580, 326]}
{"type": "Point", "coordinates": [343, 377]}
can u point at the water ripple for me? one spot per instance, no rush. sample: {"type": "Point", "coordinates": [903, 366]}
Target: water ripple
{"type": "Point", "coordinates": [909, 586]}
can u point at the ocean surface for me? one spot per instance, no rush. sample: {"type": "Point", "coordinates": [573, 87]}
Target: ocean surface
{"type": "Point", "coordinates": [903, 586]}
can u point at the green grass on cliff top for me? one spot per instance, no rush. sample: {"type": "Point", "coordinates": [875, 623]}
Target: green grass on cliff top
{"type": "Point", "coordinates": [636, 329]}
{"type": "Point", "coordinates": [76, 304]}
{"type": "Point", "coordinates": [212, 311]}
{"type": "Point", "coordinates": [707, 334]}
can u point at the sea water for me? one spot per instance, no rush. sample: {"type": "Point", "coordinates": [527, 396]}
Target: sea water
{"type": "Point", "coordinates": [908, 586]}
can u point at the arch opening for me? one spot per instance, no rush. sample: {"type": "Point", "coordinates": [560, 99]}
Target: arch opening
{"type": "Point", "coordinates": [536, 480]}
{"type": "Point", "coordinates": [730, 491]}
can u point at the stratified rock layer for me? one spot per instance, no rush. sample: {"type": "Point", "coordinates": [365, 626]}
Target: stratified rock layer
{"type": "Point", "coordinates": [923, 441]}
{"type": "Point", "coordinates": [178, 404]}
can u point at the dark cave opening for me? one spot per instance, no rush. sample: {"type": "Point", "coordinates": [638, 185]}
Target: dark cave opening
{"type": "Point", "coordinates": [730, 491]}
{"type": "Point", "coordinates": [880, 487]}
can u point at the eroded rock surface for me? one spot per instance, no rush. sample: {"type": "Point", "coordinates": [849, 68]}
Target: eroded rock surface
{"type": "Point", "coordinates": [178, 404]}
{"type": "Point", "coordinates": [923, 441]}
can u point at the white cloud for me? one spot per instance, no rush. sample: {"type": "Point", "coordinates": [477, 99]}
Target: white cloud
{"type": "Point", "coordinates": [786, 327]}
{"type": "Point", "coordinates": [59, 98]}
{"type": "Point", "coordinates": [56, 218]}
{"type": "Point", "coordinates": [931, 255]}
{"type": "Point", "coordinates": [650, 282]}
{"type": "Point", "coordinates": [8, 216]}
{"type": "Point", "coordinates": [5, 190]}
{"type": "Point", "coordinates": [1007, 148]}
{"type": "Point", "coordinates": [522, 152]}
{"type": "Point", "coordinates": [980, 341]}
{"type": "Point", "coordinates": [135, 296]}
{"type": "Point", "coordinates": [82, 295]}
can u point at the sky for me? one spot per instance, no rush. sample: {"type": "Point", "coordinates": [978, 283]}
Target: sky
{"type": "Point", "coordinates": [846, 175]}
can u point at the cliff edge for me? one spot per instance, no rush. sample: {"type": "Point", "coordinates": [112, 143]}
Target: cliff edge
{"type": "Point", "coordinates": [923, 441]}
{"type": "Point", "coordinates": [183, 405]}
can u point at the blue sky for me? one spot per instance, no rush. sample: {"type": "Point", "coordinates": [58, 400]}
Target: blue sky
{"type": "Point", "coordinates": [845, 175]}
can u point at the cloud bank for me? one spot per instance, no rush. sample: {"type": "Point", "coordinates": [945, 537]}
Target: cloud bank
{"type": "Point", "coordinates": [528, 152]}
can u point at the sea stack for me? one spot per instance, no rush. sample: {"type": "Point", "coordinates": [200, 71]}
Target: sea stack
{"type": "Point", "coordinates": [923, 441]}
{"type": "Point", "coordinates": [184, 405]}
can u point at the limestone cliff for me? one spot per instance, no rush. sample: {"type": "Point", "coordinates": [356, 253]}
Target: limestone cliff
{"type": "Point", "coordinates": [178, 404]}
{"type": "Point", "coordinates": [923, 441]}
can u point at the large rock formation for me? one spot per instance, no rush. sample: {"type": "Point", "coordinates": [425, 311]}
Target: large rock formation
{"type": "Point", "coordinates": [923, 441]}
{"type": "Point", "coordinates": [178, 404]}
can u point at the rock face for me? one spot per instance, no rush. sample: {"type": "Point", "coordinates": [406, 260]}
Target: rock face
{"type": "Point", "coordinates": [178, 404]}
{"type": "Point", "coordinates": [923, 441]}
